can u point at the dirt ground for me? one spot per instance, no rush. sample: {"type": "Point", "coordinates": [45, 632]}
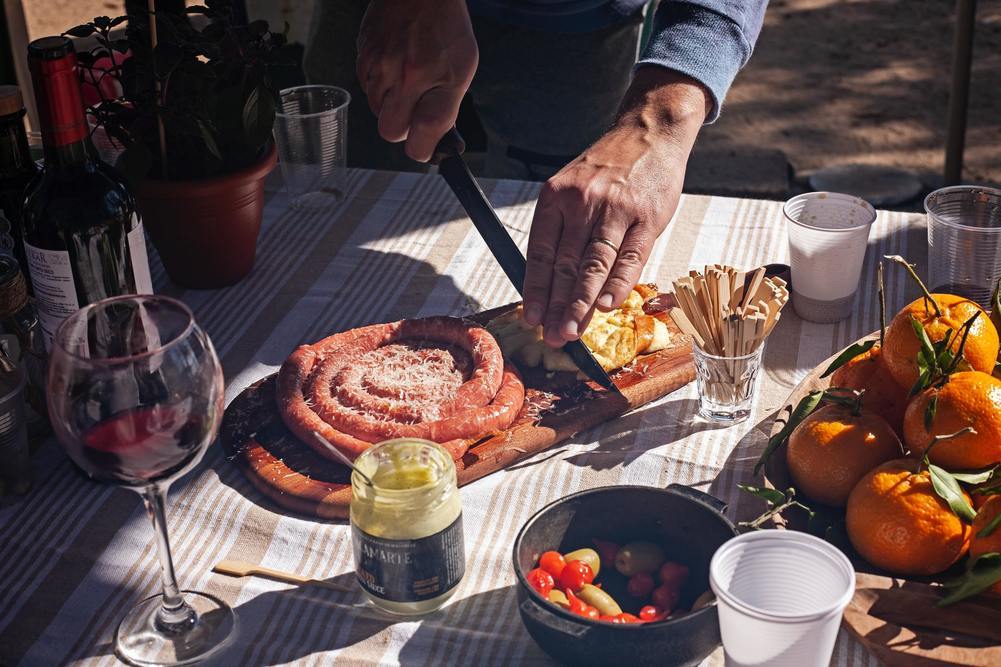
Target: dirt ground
{"type": "Point", "coordinates": [831, 82]}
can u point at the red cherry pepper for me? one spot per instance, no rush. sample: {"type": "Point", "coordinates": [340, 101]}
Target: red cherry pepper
{"type": "Point", "coordinates": [552, 562]}
{"type": "Point", "coordinates": [640, 585]}
{"type": "Point", "coordinates": [541, 581]}
{"type": "Point", "coordinates": [629, 618]}
{"type": "Point", "coordinates": [575, 575]}
{"type": "Point", "coordinates": [673, 574]}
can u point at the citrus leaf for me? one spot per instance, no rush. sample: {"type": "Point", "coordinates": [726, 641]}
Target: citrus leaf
{"type": "Point", "coordinates": [975, 476]}
{"type": "Point", "coordinates": [996, 305]}
{"type": "Point", "coordinates": [927, 349]}
{"type": "Point", "coordinates": [807, 405]}
{"type": "Point", "coordinates": [980, 575]}
{"type": "Point", "coordinates": [930, 411]}
{"type": "Point", "coordinates": [848, 354]}
{"type": "Point", "coordinates": [773, 496]}
{"type": "Point", "coordinates": [948, 489]}
{"type": "Point", "coordinates": [989, 529]}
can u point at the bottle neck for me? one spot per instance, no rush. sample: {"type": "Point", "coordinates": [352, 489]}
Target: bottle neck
{"type": "Point", "coordinates": [65, 133]}
{"type": "Point", "coordinates": [15, 156]}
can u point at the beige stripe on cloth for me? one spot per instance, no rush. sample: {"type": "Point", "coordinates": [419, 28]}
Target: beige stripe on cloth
{"type": "Point", "coordinates": [398, 245]}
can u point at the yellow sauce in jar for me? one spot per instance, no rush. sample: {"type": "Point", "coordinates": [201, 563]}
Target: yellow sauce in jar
{"type": "Point", "coordinates": [406, 530]}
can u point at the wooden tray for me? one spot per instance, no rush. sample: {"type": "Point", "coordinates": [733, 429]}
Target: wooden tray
{"type": "Point", "coordinates": [295, 477]}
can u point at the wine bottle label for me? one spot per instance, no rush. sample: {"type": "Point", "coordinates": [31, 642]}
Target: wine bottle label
{"type": "Point", "coordinates": [55, 292]}
{"type": "Point", "coordinates": [140, 261]}
{"type": "Point", "coordinates": [410, 570]}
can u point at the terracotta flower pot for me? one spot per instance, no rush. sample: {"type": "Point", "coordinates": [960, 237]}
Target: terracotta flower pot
{"type": "Point", "coordinates": [206, 230]}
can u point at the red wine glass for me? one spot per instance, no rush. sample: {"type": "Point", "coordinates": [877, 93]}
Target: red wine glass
{"type": "Point", "coordinates": [135, 395]}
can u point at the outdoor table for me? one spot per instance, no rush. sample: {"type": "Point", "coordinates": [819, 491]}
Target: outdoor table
{"type": "Point", "coordinates": [75, 555]}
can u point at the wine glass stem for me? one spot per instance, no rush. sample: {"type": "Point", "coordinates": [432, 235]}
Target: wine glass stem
{"type": "Point", "coordinates": [174, 614]}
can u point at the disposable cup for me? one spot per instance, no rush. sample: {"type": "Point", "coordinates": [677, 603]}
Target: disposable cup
{"type": "Point", "coordinates": [311, 129]}
{"type": "Point", "coordinates": [780, 596]}
{"type": "Point", "coordinates": [828, 234]}
{"type": "Point", "coordinates": [964, 241]}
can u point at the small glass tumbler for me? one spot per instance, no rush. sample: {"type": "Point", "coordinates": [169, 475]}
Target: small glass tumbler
{"type": "Point", "coordinates": [964, 241]}
{"type": "Point", "coordinates": [828, 235]}
{"type": "Point", "coordinates": [726, 384]}
{"type": "Point", "coordinates": [311, 131]}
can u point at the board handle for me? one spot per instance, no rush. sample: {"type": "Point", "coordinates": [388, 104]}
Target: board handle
{"type": "Point", "coordinates": [700, 496]}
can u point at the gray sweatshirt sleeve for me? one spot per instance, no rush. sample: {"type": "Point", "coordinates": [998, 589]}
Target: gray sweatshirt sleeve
{"type": "Point", "coordinates": [709, 40]}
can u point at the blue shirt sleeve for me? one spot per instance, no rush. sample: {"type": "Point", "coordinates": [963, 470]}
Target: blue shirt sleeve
{"type": "Point", "coordinates": [709, 40]}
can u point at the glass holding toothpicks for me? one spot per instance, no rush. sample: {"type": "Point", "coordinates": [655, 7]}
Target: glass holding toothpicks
{"type": "Point", "coordinates": [728, 313]}
{"type": "Point", "coordinates": [135, 395]}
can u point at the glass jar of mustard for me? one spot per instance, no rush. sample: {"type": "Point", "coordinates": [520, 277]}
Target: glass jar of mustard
{"type": "Point", "coordinates": [406, 528]}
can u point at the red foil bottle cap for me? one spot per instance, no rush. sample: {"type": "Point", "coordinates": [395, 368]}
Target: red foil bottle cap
{"type": "Point", "coordinates": [52, 62]}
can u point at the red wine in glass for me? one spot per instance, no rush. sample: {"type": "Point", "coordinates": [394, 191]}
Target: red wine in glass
{"type": "Point", "coordinates": [140, 446]}
{"type": "Point", "coordinates": [135, 394]}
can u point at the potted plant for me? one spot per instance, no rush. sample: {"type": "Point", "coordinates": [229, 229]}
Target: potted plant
{"type": "Point", "coordinates": [185, 94]}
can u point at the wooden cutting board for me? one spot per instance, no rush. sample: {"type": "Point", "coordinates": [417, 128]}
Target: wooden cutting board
{"type": "Point", "coordinates": [295, 477]}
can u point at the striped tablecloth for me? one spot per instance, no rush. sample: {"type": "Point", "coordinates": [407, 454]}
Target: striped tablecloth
{"type": "Point", "coordinates": [75, 555]}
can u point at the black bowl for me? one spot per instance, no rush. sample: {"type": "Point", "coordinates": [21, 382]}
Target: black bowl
{"type": "Point", "coordinates": [687, 523]}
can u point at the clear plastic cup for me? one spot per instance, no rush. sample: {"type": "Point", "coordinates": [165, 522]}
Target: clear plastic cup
{"type": "Point", "coordinates": [726, 384]}
{"type": "Point", "coordinates": [311, 131]}
{"type": "Point", "coordinates": [964, 241]}
{"type": "Point", "coordinates": [828, 234]}
{"type": "Point", "coordinates": [780, 596]}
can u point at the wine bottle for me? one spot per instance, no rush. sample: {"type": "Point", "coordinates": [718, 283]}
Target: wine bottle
{"type": "Point", "coordinates": [17, 169]}
{"type": "Point", "coordinates": [83, 237]}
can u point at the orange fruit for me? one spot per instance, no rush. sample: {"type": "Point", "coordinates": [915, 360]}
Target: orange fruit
{"type": "Point", "coordinates": [902, 343]}
{"type": "Point", "coordinates": [896, 521]}
{"type": "Point", "coordinates": [832, 449]}
{"type": "Point", "coordinates": [992, 543]}
{"type": "Point", "coordinates": [970, 398]}
{"type": "Point", "coordinates": [883, 395]}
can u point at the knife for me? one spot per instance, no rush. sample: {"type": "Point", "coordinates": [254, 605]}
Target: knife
{"type": "Point", "coordinates": [448, 157]}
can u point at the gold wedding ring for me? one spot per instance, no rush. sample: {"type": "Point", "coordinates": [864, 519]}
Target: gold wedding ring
{"type": "Point", "coordinates": [599, 239]}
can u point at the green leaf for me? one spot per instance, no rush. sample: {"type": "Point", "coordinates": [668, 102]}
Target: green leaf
{"type": "Point", "coordinates": [975, 476]}
{"type": "Point", "coordinates": [848, 354]}
{"type": "Point", "coordinates": [210, 142]}
{"type": "Point", "coordinates": [773, 496]}
{"type": "Point", "coordinates": [948, 489]}
{"type": "Point", "coordinates": [996, 305]}
{"type": "Point", "coordinates": [930, 411]}
{"type": "Point", "coordinates": [84, 30]}
{"type": "Point", "coordinates": [258, 116]}
{"type": "Point", "coordinates": [987, 530]}
{"type": "Point", "coordinates": [927, 349]}
{"type": "Point", "coordinates": [980, 575]}
{"type": "Point", "coordinates": [807, 405]}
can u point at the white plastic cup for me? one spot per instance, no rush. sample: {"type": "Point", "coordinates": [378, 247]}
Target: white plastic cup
{"type": "Point", "coordinates": [780, 596]}
{"type": "Point", "coordinates": [828, 235]}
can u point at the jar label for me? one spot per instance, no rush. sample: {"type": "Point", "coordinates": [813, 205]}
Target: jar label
{"type": "Point", "coordinates": [55, 291]}
{"type": "Point", "coordinates": [410, 570]}
{"type": "Point", "coordinates": [140, 260]}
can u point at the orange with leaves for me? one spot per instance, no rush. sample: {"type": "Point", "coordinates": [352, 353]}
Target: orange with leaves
{"type": "Point", "coordinates": [897, 522]}
{"type": "Point", "coordinates": [990, 541]}
{"type": "Point", "coordinates": [965, 399]}
{"type": "Point", "coordinates": [943, 315]}
{"type": "Point", "coordinates": [883, 395]}
{"type": "Point", "coordinates": [834, 447]}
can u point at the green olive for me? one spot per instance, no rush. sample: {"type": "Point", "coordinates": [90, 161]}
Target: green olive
{"type": "Point", "coordinates": [704, 600]}
{"type": "Point", "coordinates": [557, 597]}
{"type": "Point", "coordinates": [589, 556]}
{"type": "Point", "coordinates": [600, 600]}
{"type": "Point", "coordinates": [637, 557]}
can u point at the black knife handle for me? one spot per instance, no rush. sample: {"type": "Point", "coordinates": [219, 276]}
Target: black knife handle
{"type": "Point", "coordinates": [451, 144]}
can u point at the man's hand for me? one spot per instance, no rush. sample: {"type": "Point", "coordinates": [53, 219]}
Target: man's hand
{"type": "Point", "coordinates": [597, 219]}
{"type": "Point", "coordinates": [416, 58]}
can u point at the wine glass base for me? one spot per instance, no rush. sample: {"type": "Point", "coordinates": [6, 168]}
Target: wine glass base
{"type": "Point", "coordinates": [139, 640]}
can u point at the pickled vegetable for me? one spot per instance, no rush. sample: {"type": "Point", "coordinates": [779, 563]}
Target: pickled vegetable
{"type": "Point", "coordinates": [589, 556]}
{"type": "Point", "coordinates": [558, 597]}
{"type": "Point", "coordinates": [637, 557]}
{"type": "Point", "coordinates": [600, 600]}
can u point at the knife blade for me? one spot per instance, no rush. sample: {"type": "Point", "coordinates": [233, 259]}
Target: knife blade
{"type": "Point", "coordinates": [451, 166]}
